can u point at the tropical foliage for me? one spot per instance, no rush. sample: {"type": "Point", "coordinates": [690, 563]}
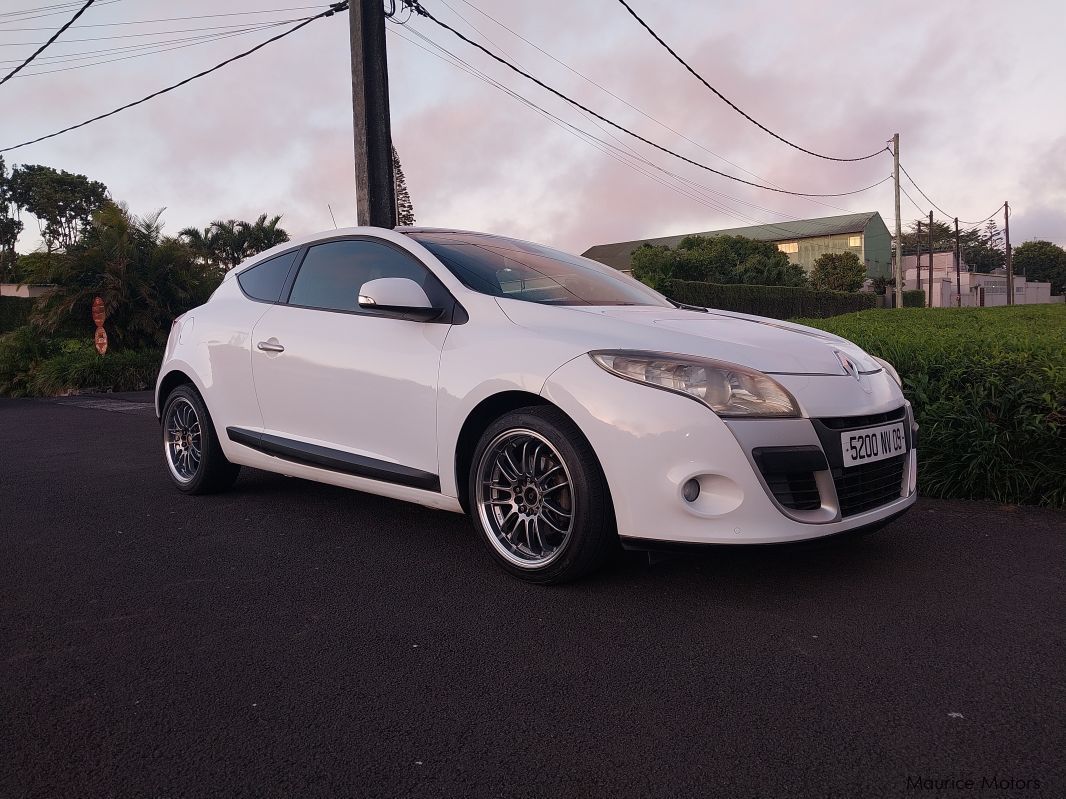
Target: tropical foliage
{"type": "Point", "coordinates": [225, 243]}
{"type": "Point", "coordinates": [717, 259]}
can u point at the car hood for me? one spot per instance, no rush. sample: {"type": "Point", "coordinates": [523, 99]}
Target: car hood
{"type": "Point", "coordinates": [765, 344]}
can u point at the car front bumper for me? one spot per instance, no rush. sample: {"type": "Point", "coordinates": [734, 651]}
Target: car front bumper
{"type": "Point", "coordinates": [651, 442]}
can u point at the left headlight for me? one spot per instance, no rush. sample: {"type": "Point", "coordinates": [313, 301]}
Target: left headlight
{"type": "Point", "coordinates": [890, 369]}
{"type": "Point", "coordinates": [725, 388]}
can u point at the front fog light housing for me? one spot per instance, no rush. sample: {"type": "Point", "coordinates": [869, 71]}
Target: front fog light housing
{"type": "Point", "coordinates": [725, 388]}
{"type": "Point", "coordinates": [890, 369]}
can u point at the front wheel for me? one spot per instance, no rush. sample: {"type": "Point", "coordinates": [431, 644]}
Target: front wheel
{"type": "Point", "coordinates": [538, 497]}
{"type": "Point", "coordinates": [191, 449]}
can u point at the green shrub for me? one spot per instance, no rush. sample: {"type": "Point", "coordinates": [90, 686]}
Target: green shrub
{"type": "Point", "coordinates": [988, 387]}
{"type": "Point", "coordinates": [78, 366]}
{"type": "Point", "coordinates": [777, 302]}
{"type": "Point", "coordinates": [21, 351]}
{"type": "Point", "coordinates": [14, 312]}
{"type": "Point", "coordinates": [915, 298]}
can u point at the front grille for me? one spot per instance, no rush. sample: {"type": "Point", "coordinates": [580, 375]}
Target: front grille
{"type": "Point", "coordinates": [869, 485]}
{"type": "Point", "coordinates": [848, 422]}
{"type": "Point", "coordinates": [796, 490]}
{"type": "Point", "coordinates": [789, 474]}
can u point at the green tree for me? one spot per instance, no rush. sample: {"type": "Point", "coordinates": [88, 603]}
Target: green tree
{"type": "Point", "coordinates": [145, 279]}
{"type": "Point", "coordinates": [62, 202]}
{"type": "Point", "coordinates": [1042, 261]}
{"type": "Point", "coordinates": [227, 242]}
{"type": "Point", "coordinates": [405, 209]}
{"type": "Point", "coordinates": [838, 271]}
{"type": "Point", "coordinates": [717, 259]}
{"type": "Point", "coordinates": [10, 224]}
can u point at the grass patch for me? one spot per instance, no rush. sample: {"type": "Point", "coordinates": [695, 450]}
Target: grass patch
{"type": "Point", "coordinates": [988, 387]}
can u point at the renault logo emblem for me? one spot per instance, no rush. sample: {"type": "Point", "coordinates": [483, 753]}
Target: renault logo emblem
{"type": "Point", "coordinates": [849, 365]}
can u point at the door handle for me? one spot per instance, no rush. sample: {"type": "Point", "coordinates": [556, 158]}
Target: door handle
{"type": "Point", "coordinates": [270, 346]}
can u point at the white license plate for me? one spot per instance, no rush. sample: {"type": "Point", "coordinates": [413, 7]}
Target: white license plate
{"type": "Point", "coordinates": [873, 443]}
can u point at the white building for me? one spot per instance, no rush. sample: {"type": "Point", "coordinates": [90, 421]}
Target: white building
{"type": "Point", "coordinates": [978, 289]}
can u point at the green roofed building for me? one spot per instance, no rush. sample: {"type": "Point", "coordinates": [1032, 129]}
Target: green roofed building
{"type": "Point", "coordinates": [803, 240]}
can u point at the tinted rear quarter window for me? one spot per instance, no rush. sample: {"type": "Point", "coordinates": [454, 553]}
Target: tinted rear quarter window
{"type": "Point", "coordinates": [265, 280]}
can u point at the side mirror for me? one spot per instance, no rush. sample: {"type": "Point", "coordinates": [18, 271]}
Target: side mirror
{"type": "Point", "coordinates": [399, 297]}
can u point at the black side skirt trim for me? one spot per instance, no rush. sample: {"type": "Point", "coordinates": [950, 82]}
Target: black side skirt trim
{"type": "Point", "coordinates": [334, 459]}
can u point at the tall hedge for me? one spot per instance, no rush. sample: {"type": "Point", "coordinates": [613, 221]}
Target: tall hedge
{"type": "Point", "coordinates": [14, 312]}
{"type": "Point", "coordinates": [777, 302]}
{"type": "Point", "coordinates": [988, 387]}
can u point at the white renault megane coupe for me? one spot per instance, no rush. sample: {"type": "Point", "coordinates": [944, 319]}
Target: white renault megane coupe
{"type": "Point", "coordinates": [561, 404]}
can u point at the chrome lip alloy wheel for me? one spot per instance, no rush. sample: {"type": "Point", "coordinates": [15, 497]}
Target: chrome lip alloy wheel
{"type": "Point", "coordinates": [183, 440]}
{"type": "Point", "coordinates": [525, 498]}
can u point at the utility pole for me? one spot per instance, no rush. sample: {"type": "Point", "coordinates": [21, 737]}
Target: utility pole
{"type": "Point", "coordinates": [1010, 260]}
{"type": "Point", "coordinates": [375, 193]}
{"type": "Point", "coordinates": [958, 259]}
{"type": "Point", "coordinates": [899, 225]}
{"type": "Point", "coordinates": [930, 259]}
{"type": "Point", "coordinates": [918, 256]}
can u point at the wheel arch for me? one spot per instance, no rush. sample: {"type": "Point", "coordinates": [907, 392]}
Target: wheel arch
{"type": "Point", "coordinates": [170, 381]}
{"type": "Point", "coordinates": [477, 421]}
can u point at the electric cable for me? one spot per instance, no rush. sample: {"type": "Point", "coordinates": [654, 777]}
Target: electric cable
{"type": "Point", "coordinates": [420, 9]}
{"type": "Point", "coordinates": [333, 9]}
{"type": "Point", "coordinates": [733, 105]}
{"type": "Point", "coordinates": [44, 46]}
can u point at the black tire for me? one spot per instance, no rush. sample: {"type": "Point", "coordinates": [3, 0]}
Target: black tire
{"type": "Point", "coordinates": [185, 417]}
{"type": "Point", "coordinates": [590, 536]}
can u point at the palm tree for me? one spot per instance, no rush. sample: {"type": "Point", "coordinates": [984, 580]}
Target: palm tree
{"type": "Point", "coordinates": [226, 243]}
{"type": "Point", "coordinates": [144, 278]}
{"type": "Point", "coordinates": [263, 234]}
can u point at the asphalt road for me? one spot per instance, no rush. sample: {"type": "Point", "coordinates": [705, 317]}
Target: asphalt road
{"type": "Point", "coordinates": [294, 640]}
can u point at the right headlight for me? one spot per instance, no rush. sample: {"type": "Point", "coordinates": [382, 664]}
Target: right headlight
{"type": "Point", "coordinates": [725, 388]}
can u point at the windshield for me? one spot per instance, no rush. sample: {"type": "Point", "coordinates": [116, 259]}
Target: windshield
{"type": "Point", "coordinates": [520, 270]}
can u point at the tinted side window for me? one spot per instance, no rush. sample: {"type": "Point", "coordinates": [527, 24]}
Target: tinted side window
{"type": "Point", "coordinates": [333, 273]}
{"type": "Point", "coordinates": [266, 280]}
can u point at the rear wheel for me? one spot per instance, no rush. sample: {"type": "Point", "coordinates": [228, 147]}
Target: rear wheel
{"type": "Point", "coordinates": [191, 449]}
{"type": "Point", "coordinates": [539, 498]}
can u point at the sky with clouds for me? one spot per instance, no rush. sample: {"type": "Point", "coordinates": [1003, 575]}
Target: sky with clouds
{"type": "Point", "coordinates": [973, 87]}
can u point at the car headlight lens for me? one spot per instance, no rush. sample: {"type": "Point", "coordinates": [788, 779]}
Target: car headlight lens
{"type": "Point", "coordinates": [725, 388]}
{"type": "Point", "coordinates": [890, 369]}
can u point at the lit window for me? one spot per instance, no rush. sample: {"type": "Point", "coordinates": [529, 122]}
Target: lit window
{"type": "Point", "coordinates": [854, 241]}
{"type": "Point", "coordinates": [789, 246]}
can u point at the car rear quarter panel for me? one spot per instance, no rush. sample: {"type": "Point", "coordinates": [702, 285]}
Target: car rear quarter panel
{"type": "Point", "coordinates": [213, 347]}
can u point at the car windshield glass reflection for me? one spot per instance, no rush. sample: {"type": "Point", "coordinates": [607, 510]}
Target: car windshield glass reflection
{"type": "Point", "coordinates": [521, 270]}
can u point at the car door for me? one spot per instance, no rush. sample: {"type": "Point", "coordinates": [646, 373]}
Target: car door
{"type": "Point", "coordinates": [344, 388]}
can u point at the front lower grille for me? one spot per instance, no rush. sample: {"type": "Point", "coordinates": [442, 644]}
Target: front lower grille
{"type": "Point", "coordinates": [869, 485]}
{"type": "Point", "coordinates": [789, 474]}
{"type": "Point", "coordinates": [795, 490]}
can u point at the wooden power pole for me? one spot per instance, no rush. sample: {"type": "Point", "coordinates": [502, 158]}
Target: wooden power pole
{"type": "Point", "coordinates": [918, 256]}
{"type": "Point", "coordinates": [930, 259]}
{"type": "Point", "coordinates": [1010, 260]}
{"type": "Point", "coordinates": [899, 225]}
{"type": "Point", "coordinates": [375, 192]}
{"type": "Point", "coordinates": [958, 260]}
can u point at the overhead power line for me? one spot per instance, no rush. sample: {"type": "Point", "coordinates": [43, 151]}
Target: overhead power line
{"type": "Point", "coordinates": [691, 190]}
{"type": "Point", "coordinates": [733, 105]}
{"type": "Point", "coordinates": [418, 8]}
{"type": "Point", "coordinates": [42, 48]}
{"type": "Point", "coordinates": [333, 9]}
{"type": "Point", "coordinates": [181, 19]}
{"type": "Point", "coordinates": [157, 50]}
{"type": "Point", "coordinates": [941, 210]}
{"type": "Point", "coordinates": [60, 9]}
